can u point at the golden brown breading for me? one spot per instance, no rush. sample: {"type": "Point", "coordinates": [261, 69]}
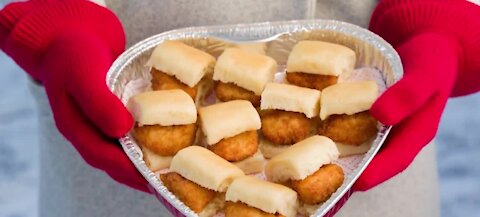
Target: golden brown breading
{"type": "Point", "coordinates": [237, 148]}
{"type": "Point", "coordinates": [284, 127]}
{"type": "Point", "coordinates": [313, 81]}
{"type": "Point", "coordinates": [239, 209]}
{"type": "Point", "coordinates": [163, 81]}
{"type": "Point", "coordinates": [191, 194]}
{"type": "Point", "coordinates": [229, 91]}
{"type": "Point", "coordinates": [319, 186]}
{"type": "Point", "coordinates": [165, 140]}
{"type": "Point", "coordinates": [349, 129]}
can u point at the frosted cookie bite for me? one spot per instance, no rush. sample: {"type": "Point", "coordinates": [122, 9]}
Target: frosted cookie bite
{"type": "Point", "coordinates": [317, 64]}
{"type": "Point", "coordinates": [242, 75]}
{"type": "Point", "coordinates": [248, 196]}
{"type": "Point", "coordinates": [165, 123]}
{"type": "Point", "coordinates": [230, 129]}
{"type": "Point", "coordinates": [199, 179]}
{"type": "Point", "coordinates": [345, 115]}
{"type": "Point", "coordinates": [286, 116]}
{"type": "Point", "coordinates": [176, 65]}
{"type": "Point", "coordinates": [308, 169]}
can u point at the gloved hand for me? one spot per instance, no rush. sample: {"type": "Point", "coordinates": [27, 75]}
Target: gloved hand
{"type": "Point", "coordinates": [68, 46]}
{"type": "Point", "coordinates": [439, 44]}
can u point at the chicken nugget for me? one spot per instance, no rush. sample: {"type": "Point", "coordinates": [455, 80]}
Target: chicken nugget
{"type": "Point", "coordinates": [229, 91]}
{"type": "Point", "coordinates": [313, 81]}
{"type": "Point", "coordinates": [353, 129]}
{"type": "Point", "coordinates": [165, 140]}
{"type": "Point", "coordinates": [191, 194]}
{"type": "Point", "coordinates": [237, 148]}
{"type": "Point", "coordinates": [319, 186]}
{"type": "Point", "coordinates": [284, 127]}
{"type": "Point", "coordinates": [163, 81]}
{"type": "Point", "coordinates": [239, 209]}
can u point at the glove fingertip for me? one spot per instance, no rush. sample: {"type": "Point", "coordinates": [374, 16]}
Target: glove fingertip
{"type": "Point", "coordinates": [140, 184]}
{"type": "Point", "coordinates": [360, 185]}
{"type": "Point", "coordinates": [366, 181]}
{"type": "Point", "coordinates": [385, 111]}
{"type": "Point", "coordinates": [144, 189]}
{"type": "Point", "coordinates": [118, 124]}
{"type": "Point", "coordinates": [123, 126]}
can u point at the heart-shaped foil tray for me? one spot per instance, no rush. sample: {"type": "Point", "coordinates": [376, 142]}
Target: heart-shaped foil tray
{"type": "Point", "coordinates": [277, 38]}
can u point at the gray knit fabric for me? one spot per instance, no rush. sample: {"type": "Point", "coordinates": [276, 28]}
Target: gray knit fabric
{"type": "Point", "coordinates": [353, 11]}
{"type": "Point", "coordinates": [69, 187]}
{"type": "Point", "coordinates": [148, 17]}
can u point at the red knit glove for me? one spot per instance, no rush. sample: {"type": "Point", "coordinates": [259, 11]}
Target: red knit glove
{"type": "Point", "coordinates": [439, 44]}
{"type": "Point", "coordinates": [69, 46]}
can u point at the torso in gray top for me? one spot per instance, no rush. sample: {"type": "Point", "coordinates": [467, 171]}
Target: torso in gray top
{"type": "Point", "coordinates": [148, 17]}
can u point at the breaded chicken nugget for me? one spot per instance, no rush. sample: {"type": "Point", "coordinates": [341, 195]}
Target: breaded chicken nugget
{"type": "Point", "coordinates": [349, 129]}
{"type": "Point", "coordinates": [229, 91]}
{"type": "Point", "coordinates": [319, 186]}
{"type": "Point", "coordinates": [313, 81]}
{"type": "Point", "coordinates": [165, 140]}
{"type": "Point", "coordinates": [238, 147]}
{"type": "Point", "coordinates": [163, 81]}
{"type": "Point", "coordinates": [284, 127]}
{"type": "Point", "coordinates": [239, 209]}
{"type": "Point", "coordinates": [194, 196]}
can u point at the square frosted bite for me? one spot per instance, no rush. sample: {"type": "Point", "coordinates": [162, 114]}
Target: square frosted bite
{"type": "Point", "coordinates": [321, 58]}
{"type": "Point", "coordinates": [224, 120]}
{"type": "Point", "coordinates": [185, 63]}
{"type": "Point", "coordinates": [246, 69]}
{"type": "Point", "coordinates": [164, 107]}
{"type": "Point", "coordinates": [291, 98]}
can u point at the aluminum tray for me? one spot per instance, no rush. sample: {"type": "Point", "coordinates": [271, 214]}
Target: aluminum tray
{"type": "Point", "coordinates": [372, 51]}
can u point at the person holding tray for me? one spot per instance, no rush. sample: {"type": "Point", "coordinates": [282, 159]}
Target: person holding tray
{"type": "Point", "coordinates": [68, 46]}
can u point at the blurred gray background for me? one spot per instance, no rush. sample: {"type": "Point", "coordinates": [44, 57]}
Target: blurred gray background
{"type": "Point", "coordinates": [458, 149]}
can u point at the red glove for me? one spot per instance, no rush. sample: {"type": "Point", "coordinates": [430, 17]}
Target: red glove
{"type": "Point", "coordinates": [439, 44]}
{"type": "Point", "coordinates": [69, 46]}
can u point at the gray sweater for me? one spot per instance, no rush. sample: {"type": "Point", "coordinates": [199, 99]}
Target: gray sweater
{"type": "Point", "coordinates": [148, 17]}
